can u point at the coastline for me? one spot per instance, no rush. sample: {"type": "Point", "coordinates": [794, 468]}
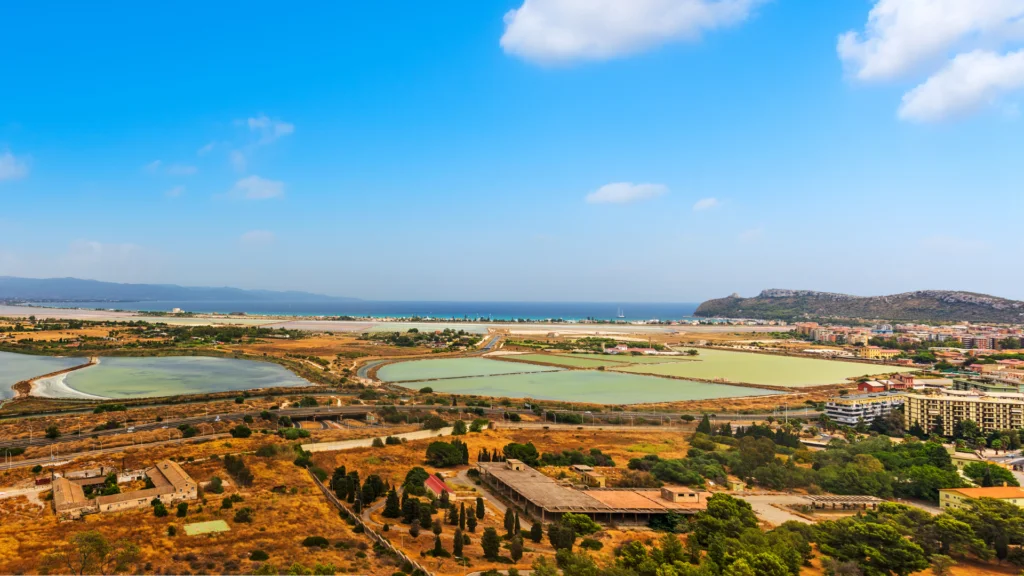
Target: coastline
{"type": "Point", "coordinates": [54, 386]}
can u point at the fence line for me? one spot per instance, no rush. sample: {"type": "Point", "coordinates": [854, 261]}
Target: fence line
{"type": "Point", "coordinates": [373, 534]}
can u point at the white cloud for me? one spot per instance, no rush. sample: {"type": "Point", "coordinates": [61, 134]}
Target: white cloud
{"type": "Point", "coordinates": [268, 129]}
{"type": "Point", "coordinates": [968, 82]}
{"type": "Point", "coordinates": [175, 192]}
{"type": "Point", "coordinates": [904, 38]}
{"type": "Point", "coordinates": [153, 166]}
{"type": "Point", "coordinates": [901, 34]}
{"type": "Point", "coordinates": [625, 192]}
{"type": "Point", "coordinates": [566, 30]}
{"type": "Point", "coordinates": [206, 149]}
{"type": "Point", "coordinates": [181, 170]}
{"type": "Point", "coordinates": [705, 204]}
{"type": "Point", "coordinates": [751, 235]}
{"type": "Point", "coordinates": [257, 188]}
{"type": "Point", "coordinates": [238, 160]}
{"type": "Point", "coordinates": [12, 167]}
{"type": "Point", "coordinates": [256, 238]}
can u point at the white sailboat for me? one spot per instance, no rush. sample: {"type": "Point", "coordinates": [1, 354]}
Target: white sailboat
{"type": "Point", "coordinates": [620, 314]}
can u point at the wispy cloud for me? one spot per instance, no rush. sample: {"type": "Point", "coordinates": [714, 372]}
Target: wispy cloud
{"type": "Point", "coordinates": [153, 167]}
{"type": "Point", "coordinates": [705, 204]}
{"type": "Point", "coordinates": [256, 188]}
{"type": "Point", "coordinates": [269, 129]}
{"type": "Point", "coordinates": [12, 167]}
{"type": "Point", "coordinates": [238, 160]}
{"type": "Point", "coordinates": [556, 31]}
{"type": "Point", "coordinates": [751, 235]}
{"type": "Point", "coordinates": [625, 192]}
{"type": "Point", "coordinates": [181, 170]}
{"type": "Point", "coordinates": [257, 238]}
{"type": "Point", "coordinates": [206, 149]}
{"type": "Point", "coordinates": [175, 192]}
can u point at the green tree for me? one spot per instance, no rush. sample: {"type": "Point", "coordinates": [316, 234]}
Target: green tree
{"type": "Point", "coordinates": [509, 522]}
{"type": "Point", "coordinates": [459, 428]}
{"type": "Point", "coordinates": [515, 549]}
{"type": "Point", "coordinates": [490, 543]}
{"type": "Point", "coordinates": [536, 532]}
{"type": "Point", "coordinates": [52, 432]}
{"type": "Point", "coordinates": [705, 425]}
{"type": "Point", "coordinates": [479, 508]}
{"type": "Point", "coordinates": [942, 565]}
{"type": "Point", "coordinates": [879, 549]}
{"type": "Point", "coordinates": [182, 509]}
{"type": "Point", "coordinates": [392, 509]}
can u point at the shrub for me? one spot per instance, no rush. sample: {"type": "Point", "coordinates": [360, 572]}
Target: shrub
{"type": "Point", "coordinates": [216, 485]}
{"type": "Point", "coordinates": [244, 515]}
{"type": "Point", "coordinates": [172, 531]}
{"type": "Point", "coordinates": [378, 443]}
{"type": "Point", "coordinates": [391, 441]}
{"type": "Point", "coordinates": [241, 431]}
{"type": "Point", "coordinates": [258, 556]}
{"type": "Point", "coordinates": [426, 390]}
{"type": "Point", "coordinates": [182, 509]}
{"type": "Point", "coordinates": [591, 544]}
{"type": "Point", "coordinates": [159, 510]}
{"type": "Point", "coordinates": [311, 541]}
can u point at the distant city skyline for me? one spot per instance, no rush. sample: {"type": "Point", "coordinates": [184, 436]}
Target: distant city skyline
{"type": "Point", "coordinates": [517, 150]}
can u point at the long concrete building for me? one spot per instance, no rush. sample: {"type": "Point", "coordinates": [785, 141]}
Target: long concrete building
{"type": "Point", "coordinates": [990, 411]}
{"type": "Point", "coordinates": [170, 484]}
{"type": "Point", "coordinates": [546, 499]}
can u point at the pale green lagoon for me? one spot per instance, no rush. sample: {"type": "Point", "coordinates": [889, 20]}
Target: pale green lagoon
{"type": "Point", "coordinates": [591, 386]}
{"type": "Point", "coordinates": [173, 375]}
{"type": "Point", "coordinates": [753, 368]}
{"type": "Point", "coordinates": [453, 368]}
{"type": "Point", "coordinates": [17, 367]}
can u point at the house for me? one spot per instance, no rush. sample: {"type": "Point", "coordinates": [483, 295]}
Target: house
{"type": "Point", "coordinates": [170, 484]}
{"type": "Point", "coordinates": [437, 486]}
{"type": "Point", "coordinates": [870, 387]}
{"type": "Point", "coordinates": [961, 497]}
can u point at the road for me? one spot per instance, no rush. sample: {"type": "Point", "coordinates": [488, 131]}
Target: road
{"type": "Point", "coordinates": [762, 505]}
{"type": "Point", "coordinates": [65, 458]}
{"type": "Point", "coordinates": [368, 442]}
{"type": "Point", "coordinates": [319, 411]}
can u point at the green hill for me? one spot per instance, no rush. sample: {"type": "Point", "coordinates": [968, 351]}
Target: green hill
{"type": "Point", "coordinates": [920, 306]}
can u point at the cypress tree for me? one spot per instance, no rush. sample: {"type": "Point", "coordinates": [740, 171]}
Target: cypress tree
{"type": "Point", "coordinates": [490, 543]}
{"type": "Point", "coordinates": [438, 548]}
{"type": "Point", "coordinates": [462, 515]}
{"type": "Point", "coordinates": [457, 544]}
{"type": "Point", "coordinates": [471, 523]}
{"type": "Point", "coordinates": [536, 532]}
{"type": "Point", "coordinates": [705, 425]}
{"type": "Point", "coordinates": [392, 509]}
{"type": "Point", "coordinates": [453, 516]}
{"type": "Point", "coordinates": [479, 508]}
{"type": "Point", "coordinates": [518, 528]}
{"type": "Point", "coordinates": [510, 522]}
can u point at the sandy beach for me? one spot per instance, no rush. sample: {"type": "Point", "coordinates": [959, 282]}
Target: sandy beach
{"type": "Point", "coordinates": [54, 385]}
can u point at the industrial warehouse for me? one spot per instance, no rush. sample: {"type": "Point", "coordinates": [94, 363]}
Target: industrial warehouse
{"type": "Point", "coordinates": [545, 498]}
{"type": "Point", "coordinates": [170, 484]}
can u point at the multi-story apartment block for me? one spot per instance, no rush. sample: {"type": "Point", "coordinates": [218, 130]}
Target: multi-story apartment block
{"type": "Point", "coordinates": [990, 411]}
{"type": "Point", "coordinates": [852, 410]}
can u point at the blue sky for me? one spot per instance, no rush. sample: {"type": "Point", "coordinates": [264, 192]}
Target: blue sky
{"type": "Point", "coordinates": [650, 150]}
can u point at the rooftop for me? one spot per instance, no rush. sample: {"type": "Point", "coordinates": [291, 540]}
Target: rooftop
{"type": "Point", "coordinates": [1000, 492]}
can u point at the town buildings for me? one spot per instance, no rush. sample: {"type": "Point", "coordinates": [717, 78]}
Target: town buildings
{"type": "Point", "coordinates": [942, 410]}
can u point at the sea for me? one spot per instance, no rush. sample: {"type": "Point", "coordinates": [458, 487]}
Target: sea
{"type": "Point", "coordinates": [494, 311]}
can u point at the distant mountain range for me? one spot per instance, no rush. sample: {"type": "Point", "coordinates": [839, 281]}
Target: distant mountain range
{"type": "Point", "coordinates": [921, 306]}
{"type": "Point", "coordinates": [76, 290]}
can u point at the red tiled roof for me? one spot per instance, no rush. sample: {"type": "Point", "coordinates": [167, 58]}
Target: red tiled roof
{"type": "Point", "coordinates": [436, 485]}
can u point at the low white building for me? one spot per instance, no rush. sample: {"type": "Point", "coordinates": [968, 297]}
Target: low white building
{"type": "Point", "coordinates": [852, 410]}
